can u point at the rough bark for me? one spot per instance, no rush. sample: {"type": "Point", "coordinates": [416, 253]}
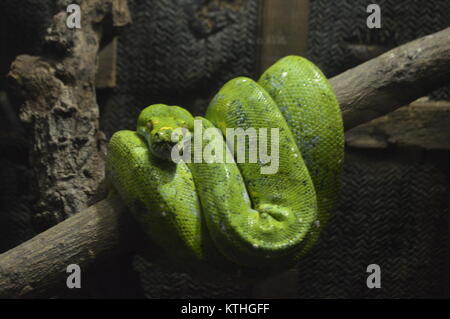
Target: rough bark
{"type": "Point", "coordinates": [38, 268]}
{"type": "Point", "coordinates": [424, 125]}
{"type": "Point", "coordinates": [61, 111]}
{"type": "Point", "coordinates": [364, 92]}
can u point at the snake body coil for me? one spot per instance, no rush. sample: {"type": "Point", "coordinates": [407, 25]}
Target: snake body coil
{"type": "Point", "coordinates": [229, 216]}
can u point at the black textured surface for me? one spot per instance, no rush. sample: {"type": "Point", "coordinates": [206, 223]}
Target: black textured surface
{"type": "Point", "coordinates": [177, 54]}
{"type": "Point", "coordinates": [157, 282]}
{"type": "Point", "coordinates": [334, 26]}
{"type": "Point", "coordinates": [394, 212]}
{"type": "Point", "coordinates": [15, 216]}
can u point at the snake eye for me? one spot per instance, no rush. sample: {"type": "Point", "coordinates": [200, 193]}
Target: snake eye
{"type": "Point", "coordinates": [149, 125]}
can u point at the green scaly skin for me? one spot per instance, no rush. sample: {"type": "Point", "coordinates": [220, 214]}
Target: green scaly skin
{"type": "Point", "coordinates": [228, 216]}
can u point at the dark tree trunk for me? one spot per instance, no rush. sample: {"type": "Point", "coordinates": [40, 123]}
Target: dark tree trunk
{"type": "Point", "coordinates": [61, 112]}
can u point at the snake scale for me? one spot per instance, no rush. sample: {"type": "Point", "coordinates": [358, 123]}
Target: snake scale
{"type": "Point", "coordinates": [227, 217]}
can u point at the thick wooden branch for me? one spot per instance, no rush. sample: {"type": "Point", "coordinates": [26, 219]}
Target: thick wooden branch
{"type": "Point", "coordinates": [38, 267]}
{"type": "Point", "coordinates": [370, 90]}
{"type": "Point", "coordinates": [394, 79]}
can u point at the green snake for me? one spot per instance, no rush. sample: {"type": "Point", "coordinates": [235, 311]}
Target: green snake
{"type": "Point", "coordinates": [227, 216]}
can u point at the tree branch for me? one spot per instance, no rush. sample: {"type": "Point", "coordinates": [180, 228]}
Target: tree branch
{"type": "Point", "coordinates": [372, 89]}
{"type": "Point", "coordinates": [38, 267]}
{"type": "Point", "coordinates": [393, 79]}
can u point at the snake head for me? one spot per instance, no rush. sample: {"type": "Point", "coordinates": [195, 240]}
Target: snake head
{"type": "Point", "coordinates": [161, 129]}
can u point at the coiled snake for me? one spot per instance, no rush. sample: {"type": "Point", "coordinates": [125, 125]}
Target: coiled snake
{"type": "Point", "coordinates": [228, 216]}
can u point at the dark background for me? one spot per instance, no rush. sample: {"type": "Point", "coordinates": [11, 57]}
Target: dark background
{"type": "Point", "coordinates": [394, 207]}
